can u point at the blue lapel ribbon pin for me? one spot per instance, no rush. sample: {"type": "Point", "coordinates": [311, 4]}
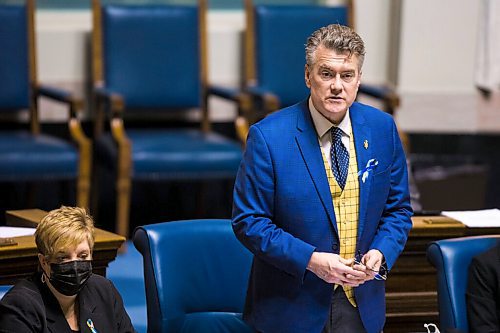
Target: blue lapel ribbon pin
{"type": "Point", "coordinates": [90, 324]}
{"type": "Point", "coordinates": [369, 167]}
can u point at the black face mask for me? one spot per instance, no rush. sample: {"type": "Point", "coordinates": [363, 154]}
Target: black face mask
{"type": "Point", "coordinates": [68, 278]}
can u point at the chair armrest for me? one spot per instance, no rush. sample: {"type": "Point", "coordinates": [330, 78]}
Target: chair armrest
{"type": "Point", "coordinates": [113, 100]}
{"type": "Point", "coordinates": [260, 103]}
{"type": "Point", "coordinates": [74, 125]}
{"type": "Point", "coordinates": [115, 103]}
{"type": "Point", "coordinates": [105, 102]}
{"type": "Point", "coordinates": [244, 102]}
{"type": "Point", "coordinates": [84, 145]}
{"type": "Point", "coordinates": [269, 100]}
{"type": "Point", "coordinates": [60, 95]}
{"type": "Point", "coordinates": [77, 135]}
{"type": "Point", "coordinates": [232, 94]}
{"type": "Point", "coordinates": [382, 92]}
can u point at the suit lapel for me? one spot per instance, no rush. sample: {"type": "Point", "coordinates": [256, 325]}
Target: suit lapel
{"type": "Point", "coordinates": [362, 139]}
{"type": "Point", "coordinates": [87, 311]}
{"type": "Point", "coordinates": [56, 323]}
{"type": "Point", "coordinates": [307, 141]}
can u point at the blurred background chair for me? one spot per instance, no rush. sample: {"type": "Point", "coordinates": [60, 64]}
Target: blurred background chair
{"type": "Point", "coordinates": [28, 155]}
{"type": "Point", "coordinates": [452, 258]}
{"type": "Point", "coordinates": [149, 63]}
{"type": "Point", "coordinates": [274, 56]}
{"type": "Point", "coordinates": [196, 275]}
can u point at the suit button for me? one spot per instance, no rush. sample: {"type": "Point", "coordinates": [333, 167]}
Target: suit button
{"type": "Point", "coordinates": [335, 247]}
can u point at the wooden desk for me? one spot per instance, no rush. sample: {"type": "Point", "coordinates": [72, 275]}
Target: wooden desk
{"type": "Point", "coordinates": [411, 291]}
{"type": "Point", "coordinates": [20, 261]}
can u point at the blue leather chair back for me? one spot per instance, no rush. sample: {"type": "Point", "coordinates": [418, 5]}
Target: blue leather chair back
{"type": "Point", "coordinates": [14, 59]}
{"type": "Point", "coordinates": [147, 60]}
{"type": "Point", "coordinates": [3, 290]}
{"type": "Point", "coordinates": [452, 258]}
{"type": "Point", "coordinates": [196, 275]}
{"type": "Point", "coordinates": [281, 32]}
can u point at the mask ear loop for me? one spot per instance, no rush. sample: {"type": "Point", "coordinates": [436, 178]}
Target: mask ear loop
{"type": "Point", "coordinates": [44, 276]}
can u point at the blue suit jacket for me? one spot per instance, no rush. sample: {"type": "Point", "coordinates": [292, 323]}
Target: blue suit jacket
{"type": "Point", "coordinates": [283, 211]}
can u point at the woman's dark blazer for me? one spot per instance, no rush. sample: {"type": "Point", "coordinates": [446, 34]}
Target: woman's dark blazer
{"type": "Point", "coordinates": [483, 292]}
{"type": "Point", "coordinates": [31, 307]}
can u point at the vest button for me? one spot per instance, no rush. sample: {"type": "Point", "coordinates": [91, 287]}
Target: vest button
{"type": "Point", "coordinates": [335, 247]}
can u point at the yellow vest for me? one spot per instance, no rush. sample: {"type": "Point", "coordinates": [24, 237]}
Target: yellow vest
{"type": "Point", "coordinates": [346, 205]}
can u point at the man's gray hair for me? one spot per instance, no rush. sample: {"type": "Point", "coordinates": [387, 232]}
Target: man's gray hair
{"type": "Point", "coordinates": [335, 37]}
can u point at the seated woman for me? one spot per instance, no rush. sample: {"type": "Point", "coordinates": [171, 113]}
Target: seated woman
{"type": "Point", "coordinates": [483, 292]}
{"type": "Point", "coordinates": [64, 296]}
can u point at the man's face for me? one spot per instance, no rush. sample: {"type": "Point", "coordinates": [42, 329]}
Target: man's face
{"type": "Point", "coordinates": [334, 80]}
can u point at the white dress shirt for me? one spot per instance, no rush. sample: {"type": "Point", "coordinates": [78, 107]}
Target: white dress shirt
{"type": "Point", "coordinates": [323, 127]}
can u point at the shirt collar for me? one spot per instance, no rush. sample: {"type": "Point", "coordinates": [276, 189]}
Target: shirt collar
{"type": "Point", "coordinates": [324, 125]}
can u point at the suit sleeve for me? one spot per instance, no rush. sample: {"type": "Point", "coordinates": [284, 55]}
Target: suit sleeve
{"type": "Point", "coordinates": [253, 211]}
{"type": "Point", "coordinates": [482, 298]}
{"type": "Point", "coordinates": [395, 223]}
{"type": "Point", "coordinates": [19, 313]}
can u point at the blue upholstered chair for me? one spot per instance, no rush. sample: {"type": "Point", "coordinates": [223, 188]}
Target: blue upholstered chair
{"type": "Point", "coordinates": [29, 155]}
{"type": "Point", "coordinates": [196, 275]}
{"type": "Point", "coordinates": [452, 258]}
{"type": "Point", "coordinates": [150, 62]}
{"type": "Point", "coordinates": [275, 58]}
{"type": "Point", "coordinates": [4, 290]}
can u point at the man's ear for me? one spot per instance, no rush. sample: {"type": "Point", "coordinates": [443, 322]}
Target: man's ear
{"type": "Point", "coordinates": [306, 76]}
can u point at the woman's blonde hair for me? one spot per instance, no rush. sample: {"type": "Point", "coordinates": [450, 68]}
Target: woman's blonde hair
{"type": "Point", "coordinates": [64, 228]}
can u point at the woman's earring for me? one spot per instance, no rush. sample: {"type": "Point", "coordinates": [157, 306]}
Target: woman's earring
{"type": "Point", "coordinates": [43, 278]}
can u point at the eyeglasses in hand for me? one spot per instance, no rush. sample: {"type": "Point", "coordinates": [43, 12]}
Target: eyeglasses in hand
{"type": "Point", "coordinates": [380, 275]}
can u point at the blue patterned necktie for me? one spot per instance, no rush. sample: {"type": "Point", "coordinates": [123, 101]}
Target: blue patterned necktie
{"type": "Point", "coordinates": [340, 157]}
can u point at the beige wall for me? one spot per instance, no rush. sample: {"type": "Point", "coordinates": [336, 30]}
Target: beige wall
{"type": "Point", "coordinates": [436, 70]}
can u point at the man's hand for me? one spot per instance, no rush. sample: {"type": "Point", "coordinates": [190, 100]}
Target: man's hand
{"type": "Point", "coordinates": [332, 268]}
{"type": "Point", "coordinates": [370, 263]}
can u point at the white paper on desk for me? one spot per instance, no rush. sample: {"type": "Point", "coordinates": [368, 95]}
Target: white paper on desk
{"type": "Point", "coordinates": [476, 218]}
{"type": "Point", "coordinates": [6, 232]}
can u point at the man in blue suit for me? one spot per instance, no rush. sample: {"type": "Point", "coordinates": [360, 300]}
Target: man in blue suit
{"type": "Point", "coordinates": [321, 200]}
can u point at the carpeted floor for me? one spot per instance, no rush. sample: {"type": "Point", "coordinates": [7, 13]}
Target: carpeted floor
{"type": "Point", "coordinates": [126, 272]}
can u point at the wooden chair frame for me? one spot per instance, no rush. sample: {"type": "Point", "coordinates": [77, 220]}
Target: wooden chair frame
{"type": "Point", "coordinates": [116, 105]}
{"type": "Point", "coordinates": [75, 104]}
